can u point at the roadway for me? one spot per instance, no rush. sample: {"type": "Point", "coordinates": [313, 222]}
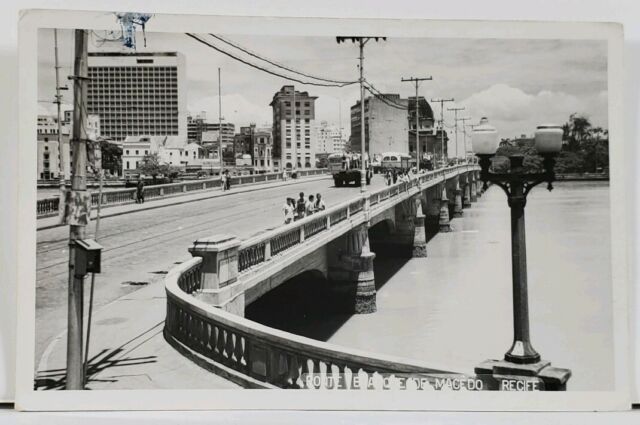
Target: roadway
{"type": "Point", "coordinates": [140, 247]}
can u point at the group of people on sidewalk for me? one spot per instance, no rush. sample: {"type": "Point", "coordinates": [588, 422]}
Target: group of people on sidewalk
{"type": "Point", "coordinates": [226, 180]}
{"type": "Point", "coordinates": [393, 176]}
{"type": "Point", "coordinates": [296, 209]}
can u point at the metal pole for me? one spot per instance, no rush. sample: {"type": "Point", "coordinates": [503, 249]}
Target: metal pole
{"type": "Point", "coordinates": [455, 111]}
{"type": "Point", "coordinates": [61, 173]}
{"type": "Point", "coordinates": [362, 132]}
{"type": "Point", "coordinates": [220, 122]}
{"type": "Point", "coordinates": [295, 135]}
{"type": "Point", "coordinates": [75, 368]}
{"type": "Point", "coordinates": [417, 132]}
{"type": "Point", "coordinates": [93, 280]}
{"type": "Point", "coordinates": [442, 102]}
{"type": "Point", "coordinates": [521, 351]}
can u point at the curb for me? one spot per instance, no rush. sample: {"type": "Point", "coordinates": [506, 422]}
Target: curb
{"type": "Point", "coordinates": [251, 187]}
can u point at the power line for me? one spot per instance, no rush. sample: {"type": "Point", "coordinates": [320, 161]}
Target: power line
{"type": "Point", "coordinates": [385, 98]}
{"type": "Point", "coordinates": [417, 82]}
{"type": "Point", "coordinates": [272, 62]}
{"type": "Point", "coordinates": [268, 71]}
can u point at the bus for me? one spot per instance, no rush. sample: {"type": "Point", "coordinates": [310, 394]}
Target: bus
{"type": "Point", "coordinates": [347, 168]}
{"type": "Point", "coordinates": [397, 161]}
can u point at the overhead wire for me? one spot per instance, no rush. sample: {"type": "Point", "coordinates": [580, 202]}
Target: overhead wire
{"type": "Point", "coordinates": [274, 63]}
{"type": "Point", "coordinates": [268, 71]}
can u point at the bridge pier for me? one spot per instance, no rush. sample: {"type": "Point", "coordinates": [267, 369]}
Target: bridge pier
{"type": "Point", "coordinates": [420, 234]}
{"type": "Point", "coordinates": [466, 200]}
{"type": "Point", "coordinates": [479, 185]}
{"type": "Point", "coordinates": [457, 200]}
{"type": "Point", "coordinates": [431, 208]}
{"type": "Point", "coordinates": [473, 189]}
{"type": "Point", "coordinates": [444, 223]}
{"type": "Point", "coordinates": [352, 266]}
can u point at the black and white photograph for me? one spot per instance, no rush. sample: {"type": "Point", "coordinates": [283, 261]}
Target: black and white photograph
{"type": "Point", "coordinates": [320, 207]}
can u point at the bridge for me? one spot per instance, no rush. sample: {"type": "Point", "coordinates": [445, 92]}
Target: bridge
{"type": "Point", "coordinates": [201, 301]}
{"type": "Point", "coordinates": [207, 295]}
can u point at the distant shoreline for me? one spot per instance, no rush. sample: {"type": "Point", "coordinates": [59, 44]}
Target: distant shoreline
{"type": "Point", "coordinates": [582, 177]}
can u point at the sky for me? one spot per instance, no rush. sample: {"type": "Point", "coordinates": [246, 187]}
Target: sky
{"type": "Point", "coordinates": [516, 84]}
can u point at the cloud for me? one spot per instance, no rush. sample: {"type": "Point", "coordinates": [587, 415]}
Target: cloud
{"type": "Point", "coordinates": [513, 111]}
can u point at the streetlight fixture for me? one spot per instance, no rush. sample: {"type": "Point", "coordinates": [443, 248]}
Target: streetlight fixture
{"type": "Point", "coordinates": [521, 359]}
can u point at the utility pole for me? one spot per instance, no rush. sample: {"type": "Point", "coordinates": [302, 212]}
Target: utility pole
{"type": "Point", "coordinates": [61, 174]}
{"type": "Point", "coordinates": [464, 133]}
{"type": "Point", "coordinates": [220, 122]}
{"type": "Point", "coordinates": [442, 101]}
{"type": "Point", "coordinates": [455, 111]}
{"type": "Point", "coordinates": [295, 129]}
{"type": "Point", "coordinates": [417, 81]}
{"type": "Point", "coordinates": [79, 216]}
{"type": "Point", "coordinates": [361, 43]}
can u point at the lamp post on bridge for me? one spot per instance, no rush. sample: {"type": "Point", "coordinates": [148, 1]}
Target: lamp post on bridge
{"type": "Point", "coordinates": [521, 360]}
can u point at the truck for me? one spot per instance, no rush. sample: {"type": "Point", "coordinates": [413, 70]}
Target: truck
{"type": "Point", "coordinates": [347, 168]}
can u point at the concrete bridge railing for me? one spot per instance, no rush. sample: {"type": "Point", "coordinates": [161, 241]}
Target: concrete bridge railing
{"type": "Point", "coordinates": [49, 207]}
{"type": "Point", "coordinates": [257, 356]}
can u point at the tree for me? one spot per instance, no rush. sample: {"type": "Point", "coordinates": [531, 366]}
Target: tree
{"type": "Point", "coordinates": [152, 166]}
{"type": "Point", "coordinates": [576, 131]}
{"type": "Point", "coordinates": [111, 156]}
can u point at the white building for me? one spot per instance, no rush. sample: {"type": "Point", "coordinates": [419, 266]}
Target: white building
{"type": "Point", "coordinates": [330, 138]}
{"type": "Point", "coordinates": [138, 94]}
{"type": "Point", "coordinates": [54, 160]}
{"type": "Point", "coordinates": [171, 150]}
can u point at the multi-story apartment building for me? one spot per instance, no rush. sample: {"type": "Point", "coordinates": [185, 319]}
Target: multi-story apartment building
{"type": "Point", "coordinates": [294, 141]}
{"type": "Point", "coordinates": [330, 138]}
{"type": "Point", "coordinates": [138, 93]}
{"type": "Point", "coordinates": [198, 124]}
{"type": "Point", "coordinates": [393, 129]}
{"type": "Point", "coordinates": [262, 149]}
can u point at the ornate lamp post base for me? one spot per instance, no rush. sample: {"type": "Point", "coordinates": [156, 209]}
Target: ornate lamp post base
{"type": "Point", "coordinates": [507, 376]}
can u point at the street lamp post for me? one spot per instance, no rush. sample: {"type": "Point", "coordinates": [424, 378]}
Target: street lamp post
{"type": "Point", "coordinates": [521, 359]}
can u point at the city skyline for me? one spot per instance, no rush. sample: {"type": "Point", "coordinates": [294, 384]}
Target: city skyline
{"type": "Point", "coordinates": [518, 84]}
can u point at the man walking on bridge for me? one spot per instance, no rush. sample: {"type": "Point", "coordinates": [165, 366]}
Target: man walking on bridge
{"type": "Point", "coordinates": [140, 191]}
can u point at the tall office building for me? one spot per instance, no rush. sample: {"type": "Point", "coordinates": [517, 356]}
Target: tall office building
{"type": "Point", "coordinates": [198, 124]}
{"type": "Point", "coordinates": [293, 150]}
{"type": "Point", "coordinates": [392, 129]}
{"type": "Point", "coordinates": [138, 93]}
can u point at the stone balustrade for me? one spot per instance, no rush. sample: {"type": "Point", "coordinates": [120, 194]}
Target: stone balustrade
{"type": "Point", "coordinates": [256, 356]}
{"type": "Point", "coordinates": [48, 207]}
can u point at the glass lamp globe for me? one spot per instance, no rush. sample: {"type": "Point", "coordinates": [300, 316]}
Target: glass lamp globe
{"type": "Point", "coordinates": [548, 138]}
{"type": "Point", "coordinates": [484, 138]}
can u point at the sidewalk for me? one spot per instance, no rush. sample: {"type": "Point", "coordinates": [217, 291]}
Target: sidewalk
{"type": "Point", "coordinates": [111, 211]}
{"type": "Point", "coordinates": [128, 351]}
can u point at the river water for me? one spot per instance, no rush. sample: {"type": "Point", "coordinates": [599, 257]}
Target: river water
{"type": "Point", "coordinates": [454, 307]}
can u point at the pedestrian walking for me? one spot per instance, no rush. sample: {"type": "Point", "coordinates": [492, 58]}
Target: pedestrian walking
{"type": "Point", "coordinates": [394, 176]}
{"type": "Point", "coordinates": [140, 191]}
{"type": "Point", "coordinates": [309, 207]}
{"type": "Point", "coordinates": [288, 209]}
{"type": "Point", "coordinates": [223, 181]}
{"type": "Point", "coordinates": [228, 180]}
{"type": "Point", "coordinates": [388, 177]}
{"type": "Point", "coordinates": [300, 207]}
{"type": "Point", "coordinates": [319, 205]}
